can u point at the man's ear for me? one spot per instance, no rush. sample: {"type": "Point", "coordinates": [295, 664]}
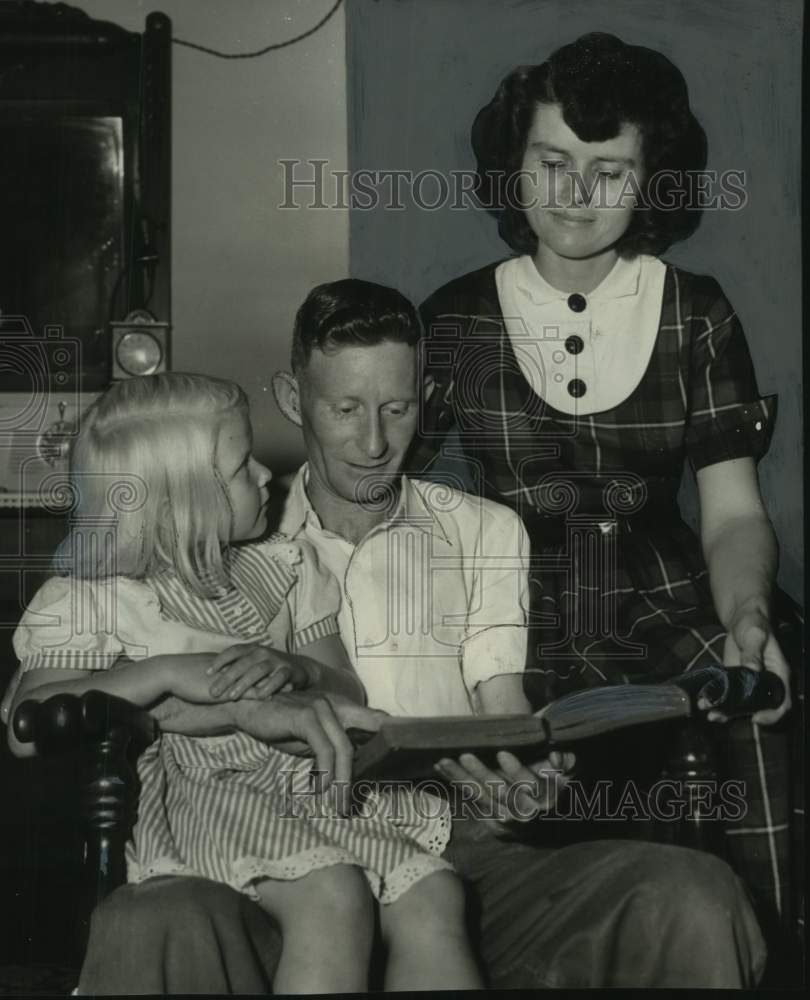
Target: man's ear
{"type": "Point", "coordinates": [428, 385]}
{"type": "Point", "coordinates": [285, 390]}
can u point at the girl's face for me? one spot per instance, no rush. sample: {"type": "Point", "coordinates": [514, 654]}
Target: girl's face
{"type": "Point", "coordinates": [245, 479]}
{"type": "Point", "coordinates": [578, 196]}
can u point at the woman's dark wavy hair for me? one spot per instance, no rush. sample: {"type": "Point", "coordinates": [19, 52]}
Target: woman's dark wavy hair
{"type": "Point", "coordinates": [351, 312]}
{"type": "Point", "coordinates": [599, 83]}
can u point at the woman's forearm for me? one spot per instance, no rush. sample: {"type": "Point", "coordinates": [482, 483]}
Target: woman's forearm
{"type": "Point", "coordinates": [742, 560]}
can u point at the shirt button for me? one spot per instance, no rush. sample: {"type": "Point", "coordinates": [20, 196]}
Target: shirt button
{"type": "Point", "coordinates": [577, 303]}
{"type": "Point", "coordinates": [577, 388]}
{"type": "Point", "coordinates": [574, 344]}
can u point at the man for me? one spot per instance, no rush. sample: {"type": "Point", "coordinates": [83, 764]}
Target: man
{"type": "Point", "coordinates": [432, 619]}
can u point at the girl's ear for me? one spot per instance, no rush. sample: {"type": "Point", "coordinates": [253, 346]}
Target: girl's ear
{"type": "Point", "coordinates": [285, 389]}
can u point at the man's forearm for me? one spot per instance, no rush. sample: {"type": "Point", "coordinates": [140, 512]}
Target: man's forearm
{"type": "Point", "coordinates": [176, 716]}
{"type": "Point", "coordinates": [245, 715]}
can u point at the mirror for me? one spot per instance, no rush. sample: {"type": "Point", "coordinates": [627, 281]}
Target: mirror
{"type": "Point", "coordinates": [84, 191]}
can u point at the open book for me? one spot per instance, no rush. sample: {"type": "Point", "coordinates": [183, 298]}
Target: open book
{"type": "Point", "coordinates": [407, 748]}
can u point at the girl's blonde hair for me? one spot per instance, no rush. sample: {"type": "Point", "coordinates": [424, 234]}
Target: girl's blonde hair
{"type": "Point", "coordinates": [144, 472]}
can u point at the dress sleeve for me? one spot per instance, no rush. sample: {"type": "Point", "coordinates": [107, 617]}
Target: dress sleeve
{"type": "Point", "coordinates": [497, 634]}
{"type": "Point", "coordinates": [315, 599]}
{"type": "Point", "coordinates": [727, 417]}
{"type": "Point", "coordinates": [70, 625]}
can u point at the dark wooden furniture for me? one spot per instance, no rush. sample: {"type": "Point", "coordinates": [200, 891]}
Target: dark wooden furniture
{"type": "Point", "coordinates": [106, 730]}
{"type": "Point", "coordinates": [85, 125]}
{"type": "Point", "coordinates": [85, 175]}
{"type": "Point", "coordinates": [105, 734]}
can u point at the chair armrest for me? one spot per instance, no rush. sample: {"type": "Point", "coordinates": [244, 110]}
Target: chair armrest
{"type": "Point", "coordinates": [103, 729]}
{"type": "Point", "coordinates": [66, 721]}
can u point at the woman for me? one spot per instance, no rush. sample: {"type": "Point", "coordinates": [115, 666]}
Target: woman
{"type": "Point", "coordinates": [580, 375]}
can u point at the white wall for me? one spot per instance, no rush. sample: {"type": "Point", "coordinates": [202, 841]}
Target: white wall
{"type": "Point", "coordinates": [240, 266]}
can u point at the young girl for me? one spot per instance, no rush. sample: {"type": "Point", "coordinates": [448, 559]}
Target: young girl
{"type": "Point", "coordinates": [170, 605]}
{"type": "Point", "coordinates": [587, 369]}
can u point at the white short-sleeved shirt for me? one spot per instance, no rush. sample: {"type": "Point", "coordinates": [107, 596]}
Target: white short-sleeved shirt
{"type": "Point", "coordinates": [434, 598]}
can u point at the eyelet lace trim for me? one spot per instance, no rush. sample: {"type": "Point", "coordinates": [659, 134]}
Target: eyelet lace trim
{"type": "Point", "coordinates": [157, 868]}
{"type": "Point", "coordinates": [402, 878]}
{"type": "Point", "coordinates": [434, 835]}
{"type": "Point", "coordinates": [248, 870]}
{"type": "Point", "coordinates": [440, 837]}
{"type": "Point", "coordinates": [286, 550]}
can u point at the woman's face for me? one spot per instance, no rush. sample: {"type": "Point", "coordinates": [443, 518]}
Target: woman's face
{"type": "Point", "coordinates": [578, 196]}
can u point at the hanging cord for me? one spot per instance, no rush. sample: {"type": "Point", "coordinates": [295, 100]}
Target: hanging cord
{"type": "Point", "coordinates": [264, 51]}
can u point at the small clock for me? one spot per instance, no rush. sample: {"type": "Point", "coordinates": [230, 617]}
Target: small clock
{"type": "Point", "coordinates": [140, 345]}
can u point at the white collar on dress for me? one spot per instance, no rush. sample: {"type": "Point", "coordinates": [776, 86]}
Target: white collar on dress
{"type": "Point", "coordinates": [622, 280]}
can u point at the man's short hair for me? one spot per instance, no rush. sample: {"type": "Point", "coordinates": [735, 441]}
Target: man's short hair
{"type": "Point", "coordinates": [351, 312]}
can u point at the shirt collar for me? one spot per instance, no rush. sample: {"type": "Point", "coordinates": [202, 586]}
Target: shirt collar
{"type": "Point", "coordinates": [411, 509]}
{"type": "Point", "coordinates": [622, 280]}
{"type": "Point", "coordinates": [297, 508]}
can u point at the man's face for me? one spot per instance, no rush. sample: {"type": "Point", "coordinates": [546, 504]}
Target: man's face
{"type": "Point", "coordinates": [359, 408]}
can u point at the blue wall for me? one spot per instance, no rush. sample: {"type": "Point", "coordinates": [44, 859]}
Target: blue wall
{"type": "Point", "coordinates": [418, 70]}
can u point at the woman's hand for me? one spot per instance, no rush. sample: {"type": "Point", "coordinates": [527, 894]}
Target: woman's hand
{"type": "Point", "coordinates": [751, 643]}
{"type": "Point", "coordinates": [251, 670]}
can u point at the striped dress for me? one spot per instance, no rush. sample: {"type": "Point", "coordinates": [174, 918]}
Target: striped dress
{"type": "Point", "coordinates": [230, 808]}
{"type": "Point", "coordinates": [618, 584]}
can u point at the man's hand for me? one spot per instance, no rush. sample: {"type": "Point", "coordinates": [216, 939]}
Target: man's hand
{"type": "Point", "coordinates": [515, 791]}
{"type": "Point", "coordinates": [251, 670]}
{"type": "Point", "coordinates": [751, 643]}
{"type": "Point", "coordinates": [349, 714]}
{"type": "Point", "coordinates": [314, 724]}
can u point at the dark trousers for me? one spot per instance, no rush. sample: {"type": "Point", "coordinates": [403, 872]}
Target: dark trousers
{"type": "Point", "coordinates": [595, 914]}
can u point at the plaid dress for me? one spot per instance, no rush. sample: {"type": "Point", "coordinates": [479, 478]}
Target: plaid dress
{"type": "Point", "coordinates": [619, 587]}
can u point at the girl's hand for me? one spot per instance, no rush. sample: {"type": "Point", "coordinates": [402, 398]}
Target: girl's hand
{"type": "Point", "coordinates": [751, 643]}
{"type": "Point", "coordinates": [251, 670]}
